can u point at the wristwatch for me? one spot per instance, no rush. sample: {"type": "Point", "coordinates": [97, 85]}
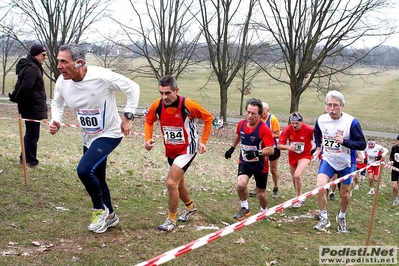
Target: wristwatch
{"type": "Point", "coordinates": [129, 116]}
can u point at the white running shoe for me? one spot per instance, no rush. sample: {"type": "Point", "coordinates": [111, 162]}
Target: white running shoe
{"type": "Point", "coordinates": [109, 222]}
{"type": "Point", "coordinates": [298, 204]}
{"type": "Point", "coordinates": [98, 217]}
{"type": "Point", "coordinates": [371, 192]}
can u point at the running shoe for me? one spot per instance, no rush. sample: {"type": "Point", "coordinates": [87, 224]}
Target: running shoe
{"type": "Point", "coordinates": [356, 187]}
{"type": "Point", "coordinates": [98, 217]}
{"type": "Point", "coordinates": [322, 225]}
{"type": "Point", "coordinates": [341, 225]}
{"type": "Point", "coordinates": [187, 214]}
{"type": "Point", "coordinates": [109, 222]}
{"type": "Point", "coordinates": [332, 196]}
{"type": "Point", "coordinates": [371, 192]}
{"type": "Point", "coordinates": [395, 202]}
{"type": "Point", "coordinates": [298, 204]}
{"type": "Point", "coordinates": [253, 193]}
{"type": "Point", "coordinates": [242, 213]}
{"type": "Point", "coordinates": [167, 226]}
{"type": "Point", "coordinates": [275, 192]}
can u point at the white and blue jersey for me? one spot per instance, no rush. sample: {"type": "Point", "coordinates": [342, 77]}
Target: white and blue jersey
{"type": "Point", "coordinates": [336, 155]}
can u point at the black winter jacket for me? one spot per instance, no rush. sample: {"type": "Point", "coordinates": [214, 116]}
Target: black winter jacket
{"type": "Point", "coordinates": [31, 95]}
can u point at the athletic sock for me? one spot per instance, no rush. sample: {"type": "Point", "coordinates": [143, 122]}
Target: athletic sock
{"type": "Point", "coordinates": [341, 214]}
{"type": "Point", "coordinates": [172, 216]}
{"type": "Point", "coordinates": [244, 204]}
{"type": "Point", "coordinates": [324, 214]}
{"type": "Point", "coordinates": [189, 204]}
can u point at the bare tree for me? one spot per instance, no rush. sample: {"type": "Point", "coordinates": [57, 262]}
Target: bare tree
{"type": "Point", "coordinates": [10, 53]}
{"type": "Point", "coordinates": [314, 39]}
{"type": "Point", "coordinates": [108, 54]}
{"type": "Point", "coordinates": [162, 33]}
{"type": "Point", "coordinates": [226, 46]}
{"type": "Point", "coordinates": [250, 69]}
{"type": "Point", "coordinates": [59, 22]}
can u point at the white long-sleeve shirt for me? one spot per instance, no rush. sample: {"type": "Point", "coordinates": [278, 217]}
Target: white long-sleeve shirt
{"type": "Point", "coordinates": [93, 102]}
{"type": "Point", "coordinates": [373, 153]}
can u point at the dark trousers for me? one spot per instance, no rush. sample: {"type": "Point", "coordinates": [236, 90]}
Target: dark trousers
{"type": "Point", "coordinates": [31, 138]}
{"type": "Point", "coordinates": [92, 171]}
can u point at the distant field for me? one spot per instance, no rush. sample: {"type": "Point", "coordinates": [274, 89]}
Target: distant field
{"type": "Point", "coordinates": [372, 99]}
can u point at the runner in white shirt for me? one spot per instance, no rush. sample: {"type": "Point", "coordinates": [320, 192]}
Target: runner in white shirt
{"type": "Point", "coordinates": [90, 92]}
{"type": "Point", "coordinates": [338, 135]}
{"type": "Point", "coordinates": [373, 154]}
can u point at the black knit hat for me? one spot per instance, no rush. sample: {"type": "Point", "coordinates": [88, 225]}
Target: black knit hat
{"type": "Point", "coordinates": [37, 49]}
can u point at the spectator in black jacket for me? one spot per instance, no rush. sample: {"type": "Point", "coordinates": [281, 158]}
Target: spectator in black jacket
{"type": "Point", "coordinates": [31, 99]}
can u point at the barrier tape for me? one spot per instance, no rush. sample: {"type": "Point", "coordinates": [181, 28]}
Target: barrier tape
{"type": "Point", "coordinates": [174, 253]}
{"type": "Point", "coordinates": [389, 166]}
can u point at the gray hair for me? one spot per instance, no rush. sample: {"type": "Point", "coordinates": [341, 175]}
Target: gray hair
{"type": "Point", "coordinates": [167, 80]}
{"type": "Point", "coordinates": [255, 102]}
{"type": "Point", "coordinates": [335, 95]}
{"type": "Point", "coordinates": [75, 50]}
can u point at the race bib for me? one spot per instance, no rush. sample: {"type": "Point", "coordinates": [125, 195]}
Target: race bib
{"type": "Point", "coordinates": [330, 145]}
{"type": "Point", "coordinates": [173, 135]}
{"type": "Point", "coordinates": [396, 156]}
{"type": "Point", "coordinates": [298, 147]}
{"type": "Point", "coordinates": [90, 120]}
{"type": "Point", "coordinates": [244, 149]}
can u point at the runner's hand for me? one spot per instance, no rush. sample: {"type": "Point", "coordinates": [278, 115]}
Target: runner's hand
{"type": "Point", "coordinates": [250, 155]}
{"type": "Point", "coordinates": [229, 152]}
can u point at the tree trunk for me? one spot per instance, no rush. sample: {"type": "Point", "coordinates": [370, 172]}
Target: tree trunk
{"type": "Point", "coordinates": [295, 97]}
{"type": "Point", "coordinates": [223, 101]}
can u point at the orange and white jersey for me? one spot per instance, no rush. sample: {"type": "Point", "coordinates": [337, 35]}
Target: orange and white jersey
{"type": "Point", "coordinates": [178, 125]}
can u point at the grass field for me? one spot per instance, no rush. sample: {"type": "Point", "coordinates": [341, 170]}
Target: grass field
{"type": "Point", "coordinates": [45, 222]}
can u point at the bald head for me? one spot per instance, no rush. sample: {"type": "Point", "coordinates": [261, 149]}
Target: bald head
{"type": "Point", "coordinates": [265, 110]}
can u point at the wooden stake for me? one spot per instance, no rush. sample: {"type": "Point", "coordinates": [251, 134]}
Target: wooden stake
{"type": "Point", "coordinates": [21, 136]}
{"type": "Point", "coordinates": [374, 204]}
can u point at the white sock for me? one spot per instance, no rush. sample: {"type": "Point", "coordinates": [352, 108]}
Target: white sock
{"type": "Point", "coordinates": [244, 204]}
{"type": "Point", "coordinates": [324, 214]}
{"type": "Point", "coordinates": [341, 214]}
{"type": "Point", "coordinates": [262, 210]}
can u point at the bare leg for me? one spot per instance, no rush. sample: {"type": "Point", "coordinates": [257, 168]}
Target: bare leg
{"type": "Point", "coordinates": [175, 176]}
{"type": "Point", "coordinates": [345, 197]}
{"type": "Point", "coordinates": [321, 180]}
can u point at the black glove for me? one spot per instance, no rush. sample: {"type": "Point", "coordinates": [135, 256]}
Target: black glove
{"type": "Point", "coordinates": [229, 152]}
{"type": "Point", "coordinates": [379, 158]}
{"type": "Point", "coordinates": [365, 161]}
{"type": "Point", "coordinates": [249, 155]}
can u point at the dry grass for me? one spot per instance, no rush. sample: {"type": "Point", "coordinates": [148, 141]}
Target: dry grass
{"type": "Point", "coordinates": [45, 223]}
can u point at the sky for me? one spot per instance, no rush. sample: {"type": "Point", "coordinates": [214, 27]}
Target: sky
{"type": "Point", "coordinates": [122, 10]}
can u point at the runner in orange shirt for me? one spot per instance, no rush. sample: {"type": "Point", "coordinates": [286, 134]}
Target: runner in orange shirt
{"type": "Point", "coordinates": [177, 118]}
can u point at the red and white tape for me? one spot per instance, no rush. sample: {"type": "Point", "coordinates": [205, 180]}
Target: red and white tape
{"type": "Point", "coordinates": [389, 166]}
{"type": "Point", "coordinates": [174, 253]}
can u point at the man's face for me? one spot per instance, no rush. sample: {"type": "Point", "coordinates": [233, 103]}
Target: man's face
{"type": "Point", "coordinates": [296, 125]}
{"type": "Point", "coordinates": [370, 145]}
{"type": "Point", "coordinates": [168, 96]}
{"type": "Point", "coordinates": [41, 57]}
{"type": "Point", "coordinates": [334, 108]}
{"type": "Point", "coordinates": [253, 115]}
{"type": "Point", "coordinates": [66, 65]}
